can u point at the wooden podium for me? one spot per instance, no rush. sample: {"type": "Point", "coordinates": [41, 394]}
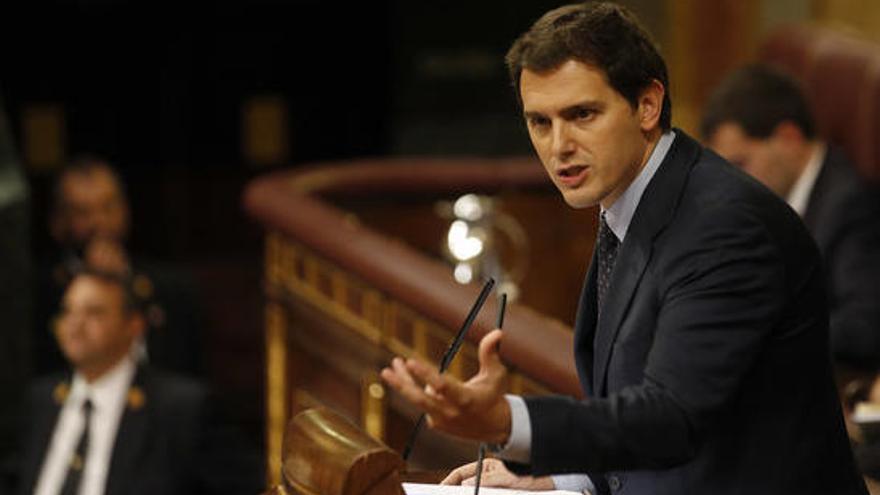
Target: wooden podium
{"type": "Point", "coordinates": [325, 454]}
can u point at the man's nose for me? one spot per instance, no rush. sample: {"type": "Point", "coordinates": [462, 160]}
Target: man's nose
{"type": "Point", "coordinates": [69, 322]}
{"type": "Point", "coordinates": [563, 145]}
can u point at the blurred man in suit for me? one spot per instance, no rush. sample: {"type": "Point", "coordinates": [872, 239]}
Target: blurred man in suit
{"type": "Point", "coordinates": [759, 120]}
{"type": "Point", "coordinates": [701, 336]}
{"type": "Point", "coordinates": [117, 426]}
{"type": "Point", "coordinates": [90, 222]}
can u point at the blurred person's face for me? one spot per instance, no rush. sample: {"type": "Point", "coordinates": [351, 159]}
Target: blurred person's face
{"type": "Point", "coordinates": [94, 330]}
{"type": "Point", "coordinates": [767, 160]}
{"type": "Point", "coordinates": [92, 206]}
{"type": "Point", "coordinates": [591, 141]}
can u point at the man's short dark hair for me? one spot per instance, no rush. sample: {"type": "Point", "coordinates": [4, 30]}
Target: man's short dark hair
{"type": "Point", "coordinates": [603, 35]}
{"type": "Point", "coordinates": [758, 98]}
{"type": "Point", "coordinates": [131, 302]}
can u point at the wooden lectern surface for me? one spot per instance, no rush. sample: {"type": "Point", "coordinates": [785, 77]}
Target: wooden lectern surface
{"type": "Point", "coordinates": [325, 454]}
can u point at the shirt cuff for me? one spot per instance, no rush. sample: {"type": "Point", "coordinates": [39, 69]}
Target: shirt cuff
{"type": "Point", "coordinates": [519, 445]}
{"type": "Point", "coordinates": [573, 483]}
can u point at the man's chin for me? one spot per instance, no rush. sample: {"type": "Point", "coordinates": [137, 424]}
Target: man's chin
{"type": "Point", "coordinates": [78, 360]}
{"type": "Point", "coordinates": [579, 201]}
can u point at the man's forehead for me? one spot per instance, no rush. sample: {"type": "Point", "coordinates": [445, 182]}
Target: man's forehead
{"type": "Point", "coordinates": [572, 83]}
{"type": "Point", "coordinates": [728, 133]}
{"type": "Point", "coordinates": [567, 64]}
{"type": "Point", "coordinates": [91, 179]}
{"type": "Point", "coordinates": [93, 285]}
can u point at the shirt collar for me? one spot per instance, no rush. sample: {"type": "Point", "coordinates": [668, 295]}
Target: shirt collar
{"type": "Point", "coordinates": [105, 390]}
{"type": "Point", "coordinates": [619, 215]}
{"type": "Point", "coordinates": [803, 186]}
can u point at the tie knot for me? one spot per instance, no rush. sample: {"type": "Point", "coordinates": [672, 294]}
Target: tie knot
{"type": "Point", "coordinates": [605, 232]}
{"type": "Point", "coordinates": [87, 408]}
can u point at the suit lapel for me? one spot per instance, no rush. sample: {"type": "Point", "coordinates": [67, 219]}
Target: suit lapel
{"type": "Point", "coordinates": [44, 419]}
{"type": "Point", "coordinates": [816, 205]}
{"type": "Point", "coordinates": [585, 329]}
{"type": "Point", "coordinates": [130, 438]}
{"type": "Point", "coordinates": [655, 210]}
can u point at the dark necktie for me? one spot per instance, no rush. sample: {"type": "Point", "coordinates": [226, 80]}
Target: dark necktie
{"type": "Point", "coordinates": [606, 253]}
{"type": "Point", "coordinates": [78, 461]}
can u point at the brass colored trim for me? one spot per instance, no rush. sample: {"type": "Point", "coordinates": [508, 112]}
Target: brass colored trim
{"type": "Point", "coordinates": [276, 387]}
{"type": "Point", "coordinates": [390, 317]}
{"type": "Point", "coordinates": [373, 407]}
{"type": "Point", "coordinates": [420, 337]}
{"type": "Point", "coordinates": [516, 384]}
{"type": "Point", "coordinates": [311, 269]}
{"type": "Point", "coordinates": [340, 288]}
{"type": "Point", "coordinates": [44, 136]}
{"type": "Point", "coordinates": [302, 400]}
{"type": "Point", "coordinates": [372, 307]}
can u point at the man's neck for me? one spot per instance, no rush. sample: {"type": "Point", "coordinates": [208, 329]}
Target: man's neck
{"type": "Point", "coordinates": [620, 213]}
{"type": "Point", "coordinates": [652, 137]}
{"type": "Point", "coordinates": [798, 195]}
{"type": "Point", "coordinates": [803, 156]}
{"type": "Point", "coordinates": [95, 372]}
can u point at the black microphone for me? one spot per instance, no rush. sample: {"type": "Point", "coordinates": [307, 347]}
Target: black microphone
{"type": "Point", "coordinates": [481, 453]}
{"type": "Point", "coordinates": [450, 354]}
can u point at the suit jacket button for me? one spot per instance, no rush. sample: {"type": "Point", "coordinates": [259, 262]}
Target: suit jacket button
{"type": "Point", "coordinates": [614, 483]}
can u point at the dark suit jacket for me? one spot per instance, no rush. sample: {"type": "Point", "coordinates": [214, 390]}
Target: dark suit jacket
{"type": "Point", "coordinates": [843, 215]}
{"type": "Point", "coordinates": [172, 444]}
{"type": "Point", "coordinates": [709, 369]}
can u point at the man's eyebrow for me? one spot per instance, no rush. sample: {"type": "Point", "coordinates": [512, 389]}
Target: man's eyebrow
{"type": "Point", "coordinates": [567, 111]}
{"type": "Point", "coordinates": [584, 105]}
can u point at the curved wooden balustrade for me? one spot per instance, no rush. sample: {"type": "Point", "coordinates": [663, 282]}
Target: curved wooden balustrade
{"type": "Point", "coordinates": [374, 296]}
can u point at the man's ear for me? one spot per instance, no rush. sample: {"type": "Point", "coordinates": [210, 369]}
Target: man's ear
{"type": "Point", "coordinates": [137, 324]}
{"type": "Point", "coordinates": [789, 142]}
{"type": "Point", "coordinates": [788, 132]}
{"type": "Point", "coordinates": [651, 105]}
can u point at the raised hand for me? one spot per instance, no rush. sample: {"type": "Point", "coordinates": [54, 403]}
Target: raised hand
{"type": "Point", "coordinates": [475, 409]}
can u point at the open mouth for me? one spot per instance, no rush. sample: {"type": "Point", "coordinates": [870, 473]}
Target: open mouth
{"type": "Point", "coordinates": [572, 176]}
{"type": "Point", "coordinates": [573, 171]}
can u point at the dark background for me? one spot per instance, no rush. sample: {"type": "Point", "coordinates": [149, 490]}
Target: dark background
{"type": "Point", "coordinates": [158, 90]}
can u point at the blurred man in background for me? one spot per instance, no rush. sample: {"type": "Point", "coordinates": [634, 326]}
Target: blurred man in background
{"type": "Point", "coordinates": [759, 119]}
{"type": "Point", "coordinates": [117, 425]}
{"type": "Point", "coordinates": [90, 221]}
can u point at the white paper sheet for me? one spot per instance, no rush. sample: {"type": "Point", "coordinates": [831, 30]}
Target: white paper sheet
{"type": "Point", "coordinates": [423, 489]}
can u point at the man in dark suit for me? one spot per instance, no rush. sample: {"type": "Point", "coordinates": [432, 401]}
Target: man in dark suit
{"type": "Point", "coordinates": [701, 338]}
{"type": "Point", "coordinates": [119, 427]}
{"type": "Point", "coordinates": [759, 119]}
